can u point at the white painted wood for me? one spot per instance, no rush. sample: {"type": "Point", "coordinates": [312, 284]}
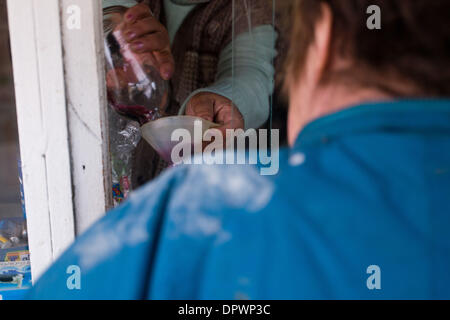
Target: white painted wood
{"type": "Point", "coordinates": [61, 110]}
{"type": "Point", "coordinates": [41, 111]}
{"type": "Point", "coordinates": [86, 97]}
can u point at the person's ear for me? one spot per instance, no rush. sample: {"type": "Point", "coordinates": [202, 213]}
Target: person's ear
{"type": "Point", "coordinates": [320, 49]}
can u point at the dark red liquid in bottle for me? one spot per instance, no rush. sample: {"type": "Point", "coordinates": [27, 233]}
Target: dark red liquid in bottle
{"type": "Point", "coordinates": [135, 88]}
{"type": "Point", "coordinates": [136, 112]}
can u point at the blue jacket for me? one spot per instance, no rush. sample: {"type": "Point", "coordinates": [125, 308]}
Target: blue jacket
{"type": "Point", "coordinates": [360, 209]}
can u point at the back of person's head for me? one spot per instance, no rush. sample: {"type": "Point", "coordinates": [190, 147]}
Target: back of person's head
{"type": "Point", "coordinates": [412, 46]}
{"type": "Point", "coordinates": [350, 52]}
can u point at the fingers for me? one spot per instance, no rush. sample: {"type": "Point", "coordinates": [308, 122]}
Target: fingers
{"type": "Point", "coordinates": [151, 42]}
{"type": "Point", "coordinates": [216, 108]}
{"type": "Point", "coordinates": [142, 27]}
{"type": "Point", "coordinates": [145, 34]}
{"type": "Point", "coordinates": [202, 106]}
{"type": "Point", "coordinates": [229, 117]}
{"type": "Point", "coordinates": [166, 63]}
{"type": "Point", "coordinates": [137, 12]}
{"type": "Point", "coordinates": [147, 59]}
{"type": "Point", "coordinates": [158, 44]}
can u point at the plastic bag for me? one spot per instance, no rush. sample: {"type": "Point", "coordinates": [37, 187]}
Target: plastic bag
{"type": "Point", "coordinates": [124, 138]}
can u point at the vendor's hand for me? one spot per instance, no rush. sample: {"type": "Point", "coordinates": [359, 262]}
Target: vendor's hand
{"type": "Point", "coordinates": [147, 36]}
{"type": "Point", "coordinates": [216, 108]}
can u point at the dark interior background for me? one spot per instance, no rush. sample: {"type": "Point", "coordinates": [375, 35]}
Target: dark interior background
{"type": "Point", "coordinates": [9, 147]}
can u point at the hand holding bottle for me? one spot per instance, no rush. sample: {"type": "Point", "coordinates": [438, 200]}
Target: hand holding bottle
{"type": "Point", "coordinates": [138, 62]}
{"type": "Point", "coordinates": [148, 38]}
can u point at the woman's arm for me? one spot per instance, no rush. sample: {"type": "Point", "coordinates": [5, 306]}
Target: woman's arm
{"type": "Point", "coordinates": [250, 83]}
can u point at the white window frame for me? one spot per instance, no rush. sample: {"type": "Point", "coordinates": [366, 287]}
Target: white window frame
{"type": "Point", "coordinates": [62, 121]}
